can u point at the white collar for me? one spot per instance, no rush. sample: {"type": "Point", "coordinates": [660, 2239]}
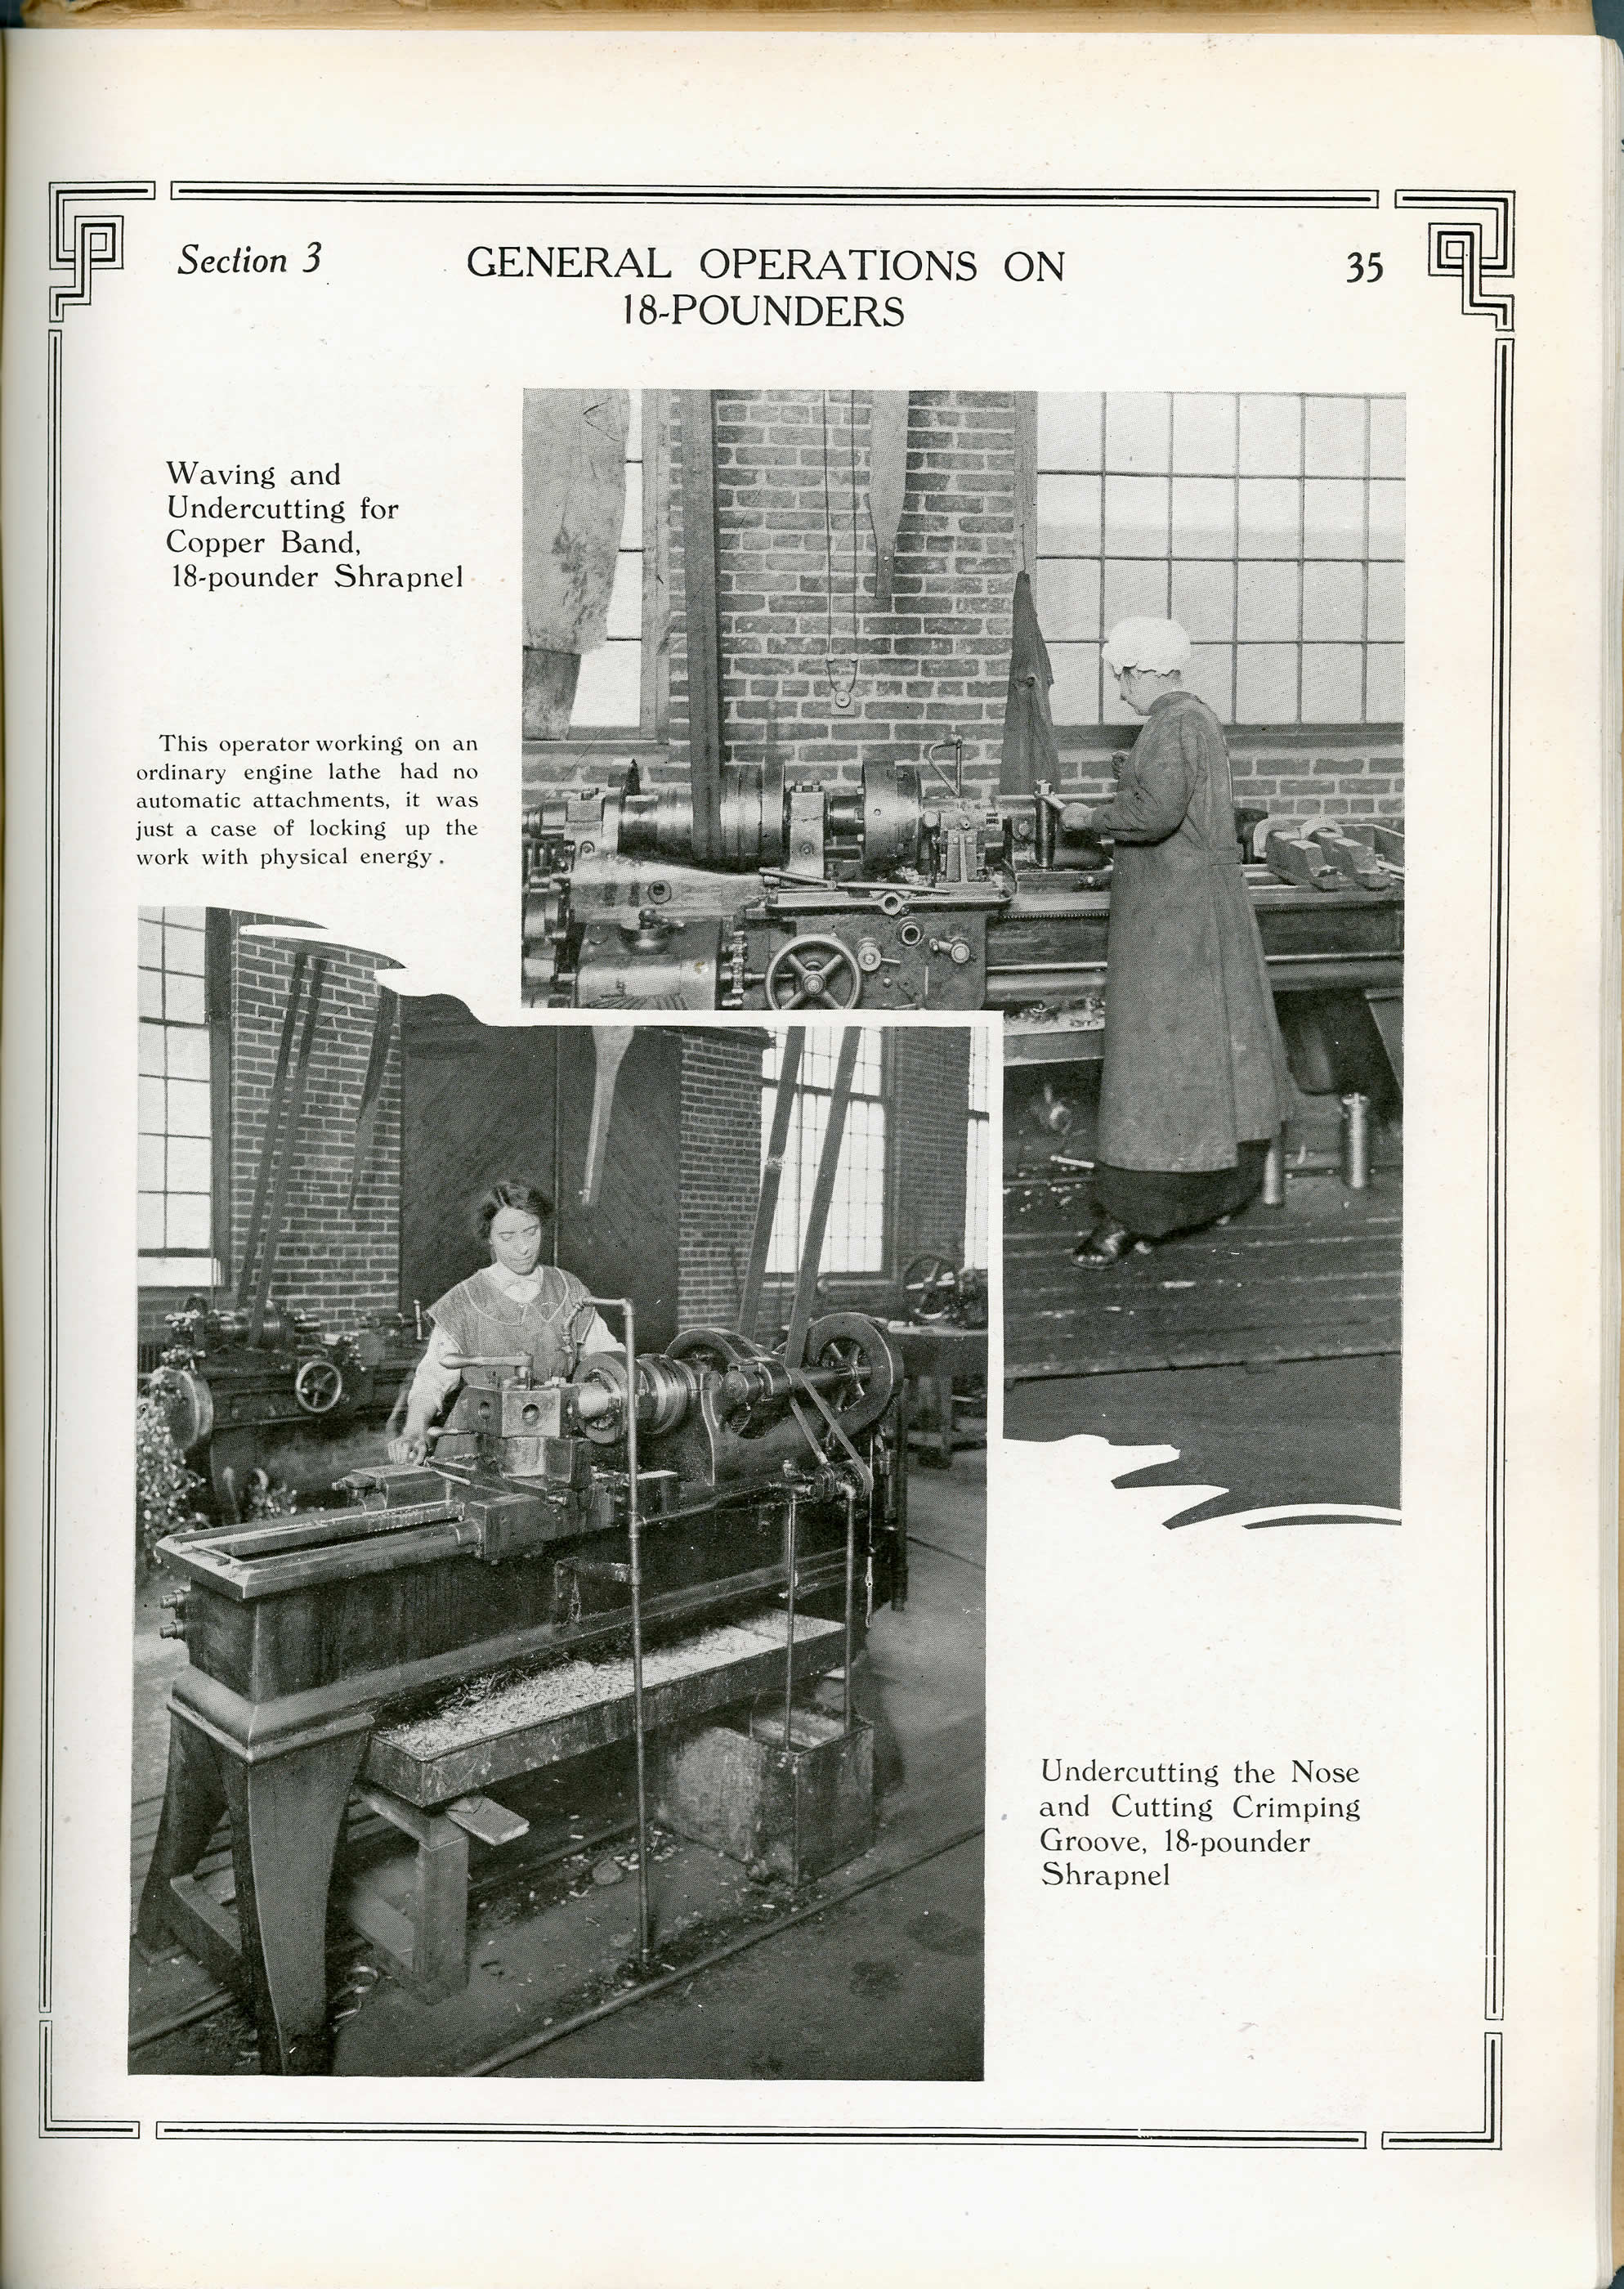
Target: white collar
{"type": "Point", "coordinates": [524, 1285]}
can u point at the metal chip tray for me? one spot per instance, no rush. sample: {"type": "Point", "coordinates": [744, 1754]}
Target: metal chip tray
{"type": "Point", "coordinates": [483, 1733]}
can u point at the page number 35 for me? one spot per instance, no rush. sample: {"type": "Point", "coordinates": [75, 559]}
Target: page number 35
{"type": "Point", "coordinates": [1363, 269]}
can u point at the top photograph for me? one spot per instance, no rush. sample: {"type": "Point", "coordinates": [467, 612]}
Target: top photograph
{"type": "Point", "coordinates": [824, 705]}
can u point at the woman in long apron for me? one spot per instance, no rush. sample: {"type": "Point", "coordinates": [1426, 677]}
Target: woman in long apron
{"type": "Point", "coordinates": [515, 1305]}
{"type": "Point", "coordinates": [1194, 1087]}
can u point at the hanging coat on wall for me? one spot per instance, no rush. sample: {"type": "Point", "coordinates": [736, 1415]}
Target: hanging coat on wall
{"type": "Point", "coordinates": [1193, 1062]}
{"type": "Point", "coordinates": [575, 498]}
{"type": "Point", "coordinates": [1030, 752]}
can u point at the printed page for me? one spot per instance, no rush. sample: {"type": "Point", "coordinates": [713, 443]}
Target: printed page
{"type": "Point", "coordinates": [809, 1077]}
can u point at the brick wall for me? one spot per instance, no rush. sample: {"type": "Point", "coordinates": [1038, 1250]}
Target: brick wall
{"type": "Point", "coordinates": [936, 666]}
{"type": "Point", "coordinates": [1294, 781]}
{"type": "Point", "coordinates": [334, 1264]}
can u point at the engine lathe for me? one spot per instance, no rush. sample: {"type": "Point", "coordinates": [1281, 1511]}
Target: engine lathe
{"type": "Point", "coordinates": [907, 894]}
{"type": "Point", "coordinates": [715, 1482]}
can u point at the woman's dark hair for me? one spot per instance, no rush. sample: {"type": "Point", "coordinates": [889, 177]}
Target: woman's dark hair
{"type": "Point", "coordinates": [509, 1193]}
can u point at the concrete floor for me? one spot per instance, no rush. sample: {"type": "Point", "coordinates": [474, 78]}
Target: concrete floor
{"type": "Point", "coordinates": [888, 1983]}
{"type": "Point", "coordinates": [1305, 1431]}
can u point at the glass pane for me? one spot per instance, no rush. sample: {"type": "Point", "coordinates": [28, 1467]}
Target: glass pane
{"type": "Point", "coordinates": [1266, 684]}
{"type": "Point", "coordinates": [1271, 436]}
{"type": "Point", "coordinates": [188, 1221]}
{"type": "Point", "coordinates": [1136, 517]}
{"type": "Point", "coordinates": [186, 1108]}
{"type": "Point", "coordinates": [1204, 603]}
{"type": "Point", "coordinates": [1068, 430]}
{"type": "Point", "coordinates": [149, 993]}
{"type": "Point", "coordinates": [183, 999]}
{"type": "Point", "coordinates": [184, 917]}
{"type": "Point", "coordinates": [1333, 436]}
{"type": "Point", "coordinates": [149, 1220]}
{"type": "Point", "coordinates": [625, 612]}
{"type": "Point", "coordinates": [634, 427]}
{"type": "Point", "coordinates": [1332, 603]}
{"type": "Point", "coordinates": [1387, 520]}
{"type": "Point", "coordinates": [1067, 516]}
{"type": "Point", "coordinates": [610, 689]}
{"type": "Point", "coordinates": [1204, 435]}
{"type": "Point", "coordinates": [1203, 516]}
{"type": "Point", "coordinates": [149, 1163]}
{"type": "Point", "coordinates": [188, 1170]}
{"type": "Point", "coordinates": [632, 524]}
{"type": "Point", "coordinates": [1269, 517]}
{"type": "Point", "coordinates": [1075, 697]}
{"type": "Point", "coordinates": [149, 1108]}
{"type": "Point", "coordinates": [152, 1049]}
{"type": "Point", "coordinates": [1333, 517]}
{"type": "Point", "coordinates": [1067, 591]}
{"type": "Point", "coordinates": [1384, 684]}
{"type": "Point", "coordinates": [1387, 436]}
{"type": "Point", "coordinates": [1331, 681]}
{"type": "Point", "coordinates": [1135, 590]}
{"type": "Point", "coordinates": [1267, 604]}
{"type": "Point", "coordinates": [1386, 602]}
{"type": "Point", "coordinates": [183, 949]}
{"type": "Point", "coordinates": [150, 944]}
{"type": "Point", "coordinates": [1208, 677]}
{"type": "Point", "coordinates": [187, 1048]}
{"type": "Point", "coordinates": [1137, 431]}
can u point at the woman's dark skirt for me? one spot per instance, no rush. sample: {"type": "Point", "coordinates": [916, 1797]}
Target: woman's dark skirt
{"type": "Point", "coordinates": [1152, 1202]}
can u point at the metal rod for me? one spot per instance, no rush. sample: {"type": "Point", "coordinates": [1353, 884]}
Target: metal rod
{"type": "Point", "coordinates": [823, 1193]}
{"type": "Point", "coordinates": [272, 1122]}
{"type": "Point", "coordinates": [851, 1569]}
{"type": "Point", "coordinates": [635, 1554]}
{"type": "Point", "coordinates": [285, 1167]}
{"type": "Point", "coordinates": [772, 1177]}
{"type": "Point", "coordinates": [790, 1535]}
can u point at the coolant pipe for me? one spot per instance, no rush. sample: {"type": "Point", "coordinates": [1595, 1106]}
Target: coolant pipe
{"type": "Point", "coordinates": [634, 1566]}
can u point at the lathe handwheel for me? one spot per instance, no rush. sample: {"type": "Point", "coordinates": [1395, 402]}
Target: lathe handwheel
{"type": "Point", "coordinates": [813, 972]}
{"type": "Point", "coordinates": [855, 1346]}
{"type": "Point", "coordinates": [930, 1285]}
{"type": "Point", "coordinates": [319, 1386]}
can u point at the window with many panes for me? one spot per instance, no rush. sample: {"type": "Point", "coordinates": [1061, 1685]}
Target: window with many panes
{"type": "Point", "coordinates": [855, 1238]}
{"type": "Point", "coordinates": [978, 1152]}
{"type": "Point", "coordinates": [619, 685]}
{"type": "Point", "coordinates": [1270, 526]}
{"type": "Point", "coordinates": [175, 1145]}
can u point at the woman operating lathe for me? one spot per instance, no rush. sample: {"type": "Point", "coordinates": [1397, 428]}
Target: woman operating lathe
{"type": "Point", "coordinates": [514, 1306]}
{"type": "Point", "coordinates": [1194, 1086]}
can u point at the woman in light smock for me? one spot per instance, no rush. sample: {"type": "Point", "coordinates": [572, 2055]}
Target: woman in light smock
{"type": "Point", "coordinates": [516, 1305]}
{"type": "Point", "coordinates": [1195, 1082]}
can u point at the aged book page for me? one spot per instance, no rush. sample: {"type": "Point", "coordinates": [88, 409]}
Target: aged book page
{"type": "Point", "coordinates": [935, 719]}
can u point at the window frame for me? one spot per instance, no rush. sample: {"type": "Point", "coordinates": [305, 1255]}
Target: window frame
{"type": "Point", "coordinates": [881, 1094]}
{"type": "Point", "coordinates": [1082, 739]}
{"type": "Point", "coordinates": [161, 1269]}
{"type": "Point", "coordinates": [648, 738]}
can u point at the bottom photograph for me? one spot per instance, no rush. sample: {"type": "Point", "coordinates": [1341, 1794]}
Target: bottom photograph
{"type": "Point", "coordinates": [560, 1535]}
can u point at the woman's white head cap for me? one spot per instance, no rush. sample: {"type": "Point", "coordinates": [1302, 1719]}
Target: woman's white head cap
{"type": "Point", "coordinates": [1156, 646]}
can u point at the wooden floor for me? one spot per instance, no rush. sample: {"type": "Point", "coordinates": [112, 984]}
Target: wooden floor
{"type": "Point", "coordinates": [1317, 1279]}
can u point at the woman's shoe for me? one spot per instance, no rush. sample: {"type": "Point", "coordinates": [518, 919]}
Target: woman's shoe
{"type": "Point", "coordinates": [1107, 1245]}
